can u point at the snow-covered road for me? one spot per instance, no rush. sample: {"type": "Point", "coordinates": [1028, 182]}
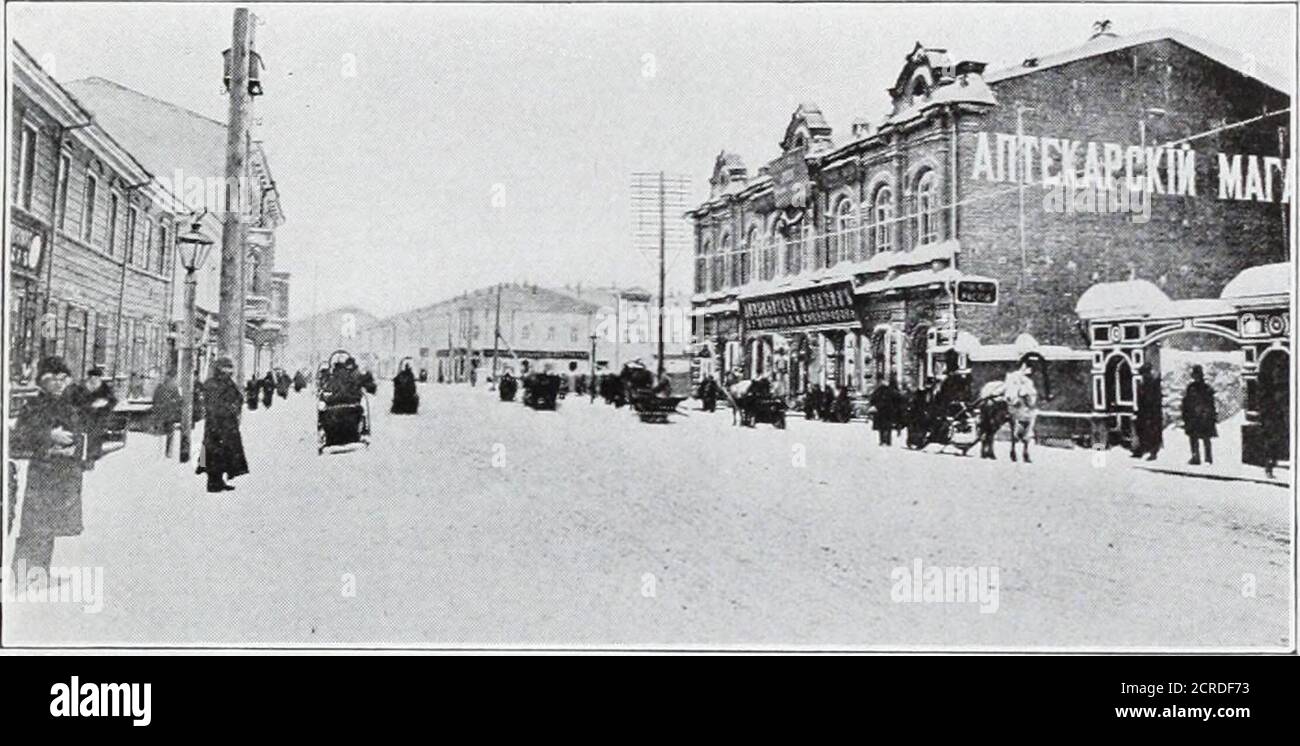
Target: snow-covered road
{"type": "Point", "coordinates": [477, 522]}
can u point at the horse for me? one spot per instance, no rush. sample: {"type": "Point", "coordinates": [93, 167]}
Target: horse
{"type": "Point", "coordinates": [1012, 400]}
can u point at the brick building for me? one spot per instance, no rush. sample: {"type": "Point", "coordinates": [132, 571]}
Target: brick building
{"type": "Point", "coordinates": [953, 223]}
{"type": "Point", "coordinates": [91, 235]}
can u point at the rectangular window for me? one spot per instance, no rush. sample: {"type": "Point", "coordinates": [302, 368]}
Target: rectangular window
{"type": "Point", "coordinates": [112, 224]}
{"type": "Point", "coordinates": [101, 340]}
{"type": "Point", "coordinates": [88, 210]}
{"type": "Point", "coordinates": [164, 251]}
{"type": "Point", "coordinates": [65, 169]}
{"type": "Point", "coordinates": [74, 350]}
{"type": "Point", "coordinates": [132, 220]}
{"type": "Point", "coordinates": [27, 166]}
{"type": "Point", "coordinates": [146, 251]}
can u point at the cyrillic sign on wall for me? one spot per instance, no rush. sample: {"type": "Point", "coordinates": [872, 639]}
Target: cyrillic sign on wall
{"type": "Point", "coordinates": [820, 306]}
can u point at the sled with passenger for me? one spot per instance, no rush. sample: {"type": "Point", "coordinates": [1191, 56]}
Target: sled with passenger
{"type": "Point", "coordinates": [343, 403]}
{"type": "Point", "coordinates": [652, 403]}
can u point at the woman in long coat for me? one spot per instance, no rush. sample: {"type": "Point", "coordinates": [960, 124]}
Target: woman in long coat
{"type": "Point", "coordinates": [223, 448]}
{"type": "Point", "coordinates": [51, 432]}
{"type": "Point", "coordinates": [1150, 416]}
{"type": "Point", "coordinates": [888, 405]}
{"type": "Point", "coordinates": [405, 398]}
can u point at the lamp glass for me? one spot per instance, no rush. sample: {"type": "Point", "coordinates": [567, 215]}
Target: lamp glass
{"type": "Point", "coordinates": [193, 247]}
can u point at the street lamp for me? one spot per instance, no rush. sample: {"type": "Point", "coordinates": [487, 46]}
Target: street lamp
{"type": "Point", "coordinates": [192, 247]}
{"type": "Point", "coordinates": [592, 383]}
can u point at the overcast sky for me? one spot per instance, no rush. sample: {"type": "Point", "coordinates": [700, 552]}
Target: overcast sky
{"type": "Point", "coordinates": [483, 143]}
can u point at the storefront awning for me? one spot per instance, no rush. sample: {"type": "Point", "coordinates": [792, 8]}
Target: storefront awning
{"type": "Point", "coordinates": [919, 278]}
{"type": "Point", "coordinates": [715, 309]}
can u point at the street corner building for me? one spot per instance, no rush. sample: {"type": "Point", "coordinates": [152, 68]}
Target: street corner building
{"type": "Point", "coordinates": [106, 180]}
{"type": "Point", "coordinates": [1098, 205]}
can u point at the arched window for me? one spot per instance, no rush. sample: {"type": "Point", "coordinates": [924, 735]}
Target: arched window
{"type": "Point", "coordinates": [927, 212]}
{"type": "Point", "coordinates": [769, 254]}
{"type": "Point", "coordinates": [702, 266]}
{"type": "Point", "coordinates": [728, 262]}
{"type": "Point", "coordinates": [882, 219]}
{"type": "Point", "coordinates": [846, 233]}
{"type": "Point", "coordinates": [747, 255]}
{"type": "Point", "coordinates": [793, 249]}
{"type": "Point", "coordinates": [716, 275]}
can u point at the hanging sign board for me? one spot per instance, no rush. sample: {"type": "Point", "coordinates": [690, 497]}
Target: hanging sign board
{"type": "Point", "coordinates": [977, 292]}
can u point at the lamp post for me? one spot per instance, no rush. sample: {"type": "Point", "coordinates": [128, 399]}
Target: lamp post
{"type": "Point", "coordinates": [192, 248]}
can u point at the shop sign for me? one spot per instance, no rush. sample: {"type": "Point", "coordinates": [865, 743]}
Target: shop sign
{"type": "Point", "coordinates": [1167, 169]}
{"type": "Point", "coordinates": [820, 306]}
{"type": "Point", "coordinates": [977, 292]}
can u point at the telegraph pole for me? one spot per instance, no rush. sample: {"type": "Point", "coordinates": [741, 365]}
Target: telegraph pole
{"type": "Point", "coordinates": [662, 242]}
{"type": "Point", "coordinates": [496, 337]}
{"type": "Point", "coordinates": [230, 312]}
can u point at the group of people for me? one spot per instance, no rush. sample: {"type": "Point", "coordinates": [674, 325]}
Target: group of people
{"type": "Point", "coordinates": [59, 431]}
{"type": "Point", "coordinates": [828, 404]}
{"type": "Point", "coordinates": [1199, 413]}
{"type": "Point", "coordinates": [275, 383]}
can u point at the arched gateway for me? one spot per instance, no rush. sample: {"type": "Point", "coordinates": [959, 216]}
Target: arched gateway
{"type": "Point", "coordinates": [1124, 319]}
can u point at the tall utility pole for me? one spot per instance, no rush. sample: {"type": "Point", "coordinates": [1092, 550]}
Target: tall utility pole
{"type": "Point", "coordinates": [1021, 110]}
{"type": "Point", "coordinates": [662, 241]}
{"type": "Point", "coordinates": [496, 337]}
{"type": "Point", "coordinates": [654, 195]}
{"type": "Point", "coordinates": [230, 313]}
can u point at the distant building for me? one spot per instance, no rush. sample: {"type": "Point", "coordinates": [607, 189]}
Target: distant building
{"type": "Point", "coordinates": [313, 338]}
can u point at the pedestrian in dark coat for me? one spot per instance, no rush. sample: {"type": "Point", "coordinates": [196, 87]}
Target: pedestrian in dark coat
{"type": "Point", "coordinates": [223, 448]}
{"type": "Point", "coordinates": [252, 390]}
{"type": "Point", "coordinates": [708, 394]}
{"type": "Point", "coordinates": [50, 431]}
{"type": "Point", "coordinates": [95, 398]}
{"type": "Point", "coordinates": [282, 384]}
{"type": "Point", "coordinates": [842, 406]}
{"type": "Point", "coordinates": [1275, 424]}
{"type": "Point", "coordinates": [299, 382]}
{"type": "Point", "coordinates": [812, 402]}
{"type": "Point", "coordinates": [405, 398]}
{"type": "Point", "coordinates": [1150, 417]}
{"type": "Point", "coordinates": [1199, 416]}
{"type": "Point", "coordinates": [268, 389]}
{"type": "Point", "coordinates": [166, 411]}
{"type": "Point", "coordinates": [888, 405]}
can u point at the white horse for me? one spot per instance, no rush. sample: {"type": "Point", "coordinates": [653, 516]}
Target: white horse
{"type": "Point", "coordinates": [1012, 400]}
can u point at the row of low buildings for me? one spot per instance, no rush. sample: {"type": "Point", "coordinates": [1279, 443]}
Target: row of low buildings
{"type": "Point", "coordinates": [103, 181]}
{"type": "Point", "coordinates": [977, 213]}
{"type": "Point", "coordinates": [571, 328]}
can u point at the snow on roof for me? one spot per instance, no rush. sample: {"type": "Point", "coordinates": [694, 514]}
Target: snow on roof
{"type": "Point", "coordinates": [162, 135]}
{"type": "Point", "coordinates": [1127, 298]}
{"type": "Point", "coordinates": [1266, 279]}
{"type": "Point", "coordinates": [1104, 44]}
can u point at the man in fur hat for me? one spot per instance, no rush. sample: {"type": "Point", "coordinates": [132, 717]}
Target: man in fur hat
{"type": "Point", "coordinates": [223, 448]}
{"type": "Point", "coordinates": [50, 431]}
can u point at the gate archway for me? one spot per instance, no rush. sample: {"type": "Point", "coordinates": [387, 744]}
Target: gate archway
{"type": "Point", "coordinates": [1123, 319]}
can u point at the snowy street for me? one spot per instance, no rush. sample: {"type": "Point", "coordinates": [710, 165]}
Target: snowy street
{"type": "Point", "coordinates": [478, 522]}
